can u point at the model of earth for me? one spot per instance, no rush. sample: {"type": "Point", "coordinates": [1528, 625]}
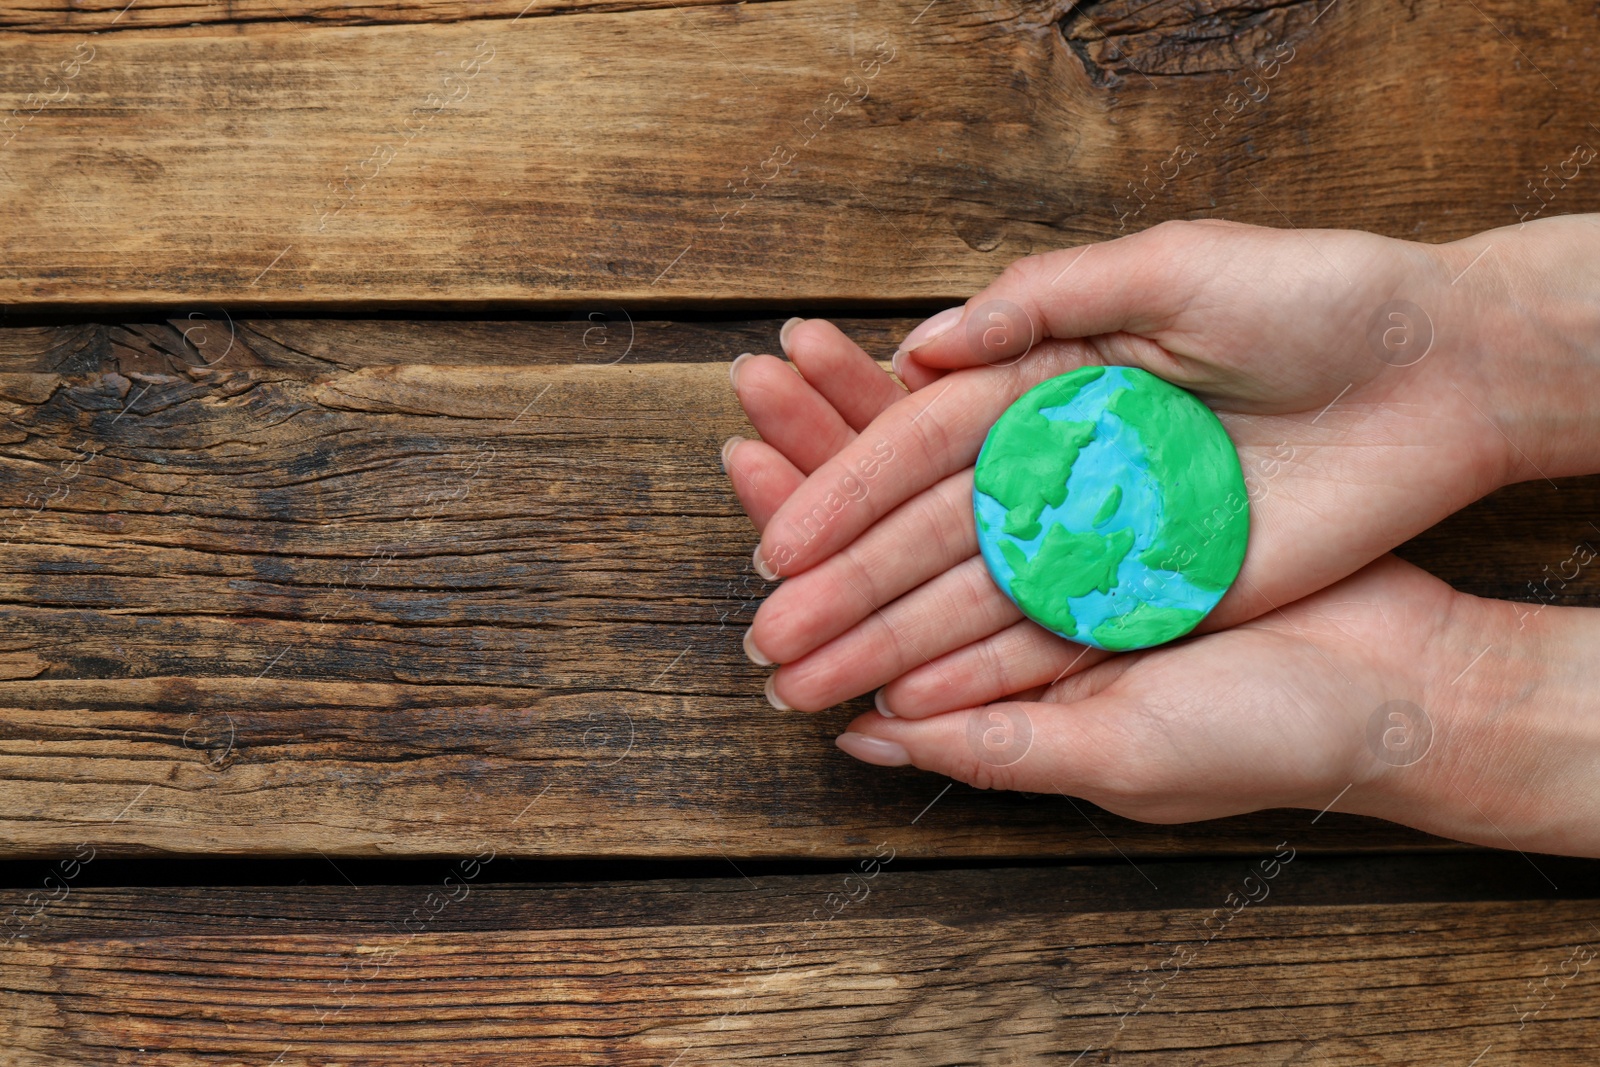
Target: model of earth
{"type": "Point", "coordinates": [1111, 507]}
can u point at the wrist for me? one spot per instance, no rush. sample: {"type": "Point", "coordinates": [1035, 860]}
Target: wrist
{"type": "Point", "coordinates": [1514, 760]}
{"type": "Point", "coordinates": [1523, 306]}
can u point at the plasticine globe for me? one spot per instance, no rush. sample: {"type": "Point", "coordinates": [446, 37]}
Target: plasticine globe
{"type": "Point", "coordinates": [1111, 507]}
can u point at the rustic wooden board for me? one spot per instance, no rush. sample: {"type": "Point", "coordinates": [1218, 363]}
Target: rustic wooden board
{"type": "Point", "coordinates": [1510, 546]}
{"type": "Point", "coordinates": [470, 592]}
{"type": "Point", "coordinates": [338, 600]}
{"type": "Point", "coordinates": [1336, 963]}
{"type": "Point", "coordinates": [296, 607]}
{"type": "Point", "coordinates": [806, 152]}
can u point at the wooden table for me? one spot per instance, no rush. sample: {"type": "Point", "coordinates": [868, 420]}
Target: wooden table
{"type": "Point", "coordinates": [371, 688]}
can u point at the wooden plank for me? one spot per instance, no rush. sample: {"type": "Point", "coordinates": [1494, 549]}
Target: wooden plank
{"type": "Point", "coordinates": [1329, 965]}
{"type": "Point", "coordinates": [806, 152]}
{"type": "Point", "coordinates": [1511, 545]}
{"type": "Point", "coordinates": [382, 611]}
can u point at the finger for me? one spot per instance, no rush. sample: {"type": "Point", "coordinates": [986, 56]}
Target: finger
{"type": "Point", "coordinates": [1134, 284]}
{"type": "Point", "coordinates": [838, 369]}
{"type": "Point", "coordinates": [762, 478]}
{"type": "Point", "coordinates": [787, 412]}
{"type": "Point", "coordinates": [921, 440]}
{"type": "Point", "coordinates": [915, 375]}
{"type": "Point", "coordinates": [1021, 657]}
{"type": "Point", "coordinates": [918, 541]}
{"type": "Point", "coordinates": [1080, 750]}
{"type": "Point", "coordinates": [956, 608]}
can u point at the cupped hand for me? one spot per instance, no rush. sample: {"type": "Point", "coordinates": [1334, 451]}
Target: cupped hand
{"type": "Point", "coordinates": [1386, 694]}
{"type": "Point", "coordinates": [1343, 365]}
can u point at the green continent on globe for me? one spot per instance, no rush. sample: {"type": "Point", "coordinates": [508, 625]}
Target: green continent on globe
{"type": "Point", "coordinates": [1146, 625]}
{"type": "Point", "coordinates": [1198, 469]}
{"type": "Point", "coordinates": [1034, 452]}
{"type": "Point", "coordinates": [1066, 565]}
{"type": "Point", "coordinates": [1111, 507]}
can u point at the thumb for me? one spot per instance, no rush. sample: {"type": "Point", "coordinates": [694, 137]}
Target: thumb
{"type": "Point", "coordinates": [1134, 284]}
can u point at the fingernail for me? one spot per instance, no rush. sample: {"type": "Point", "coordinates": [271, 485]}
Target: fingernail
{"type": "Point", "coordinates": [733, 368]}
{"type": "Point", "coordinates": [772, 693]}
{"type": "Point", "coordinates": [727, 450]}
{"type": "Point", "coordinates": [783, 334]}
{"type": "Point", "coordinates": [873, 750]}
{"type": "Point", "coordinates": [896, 364]}
{"type": "Point", "coordinates": [761, 566]}
{"type": "Point", "coordinates": [883, 708]}
{"type": "Point", "coordinates": [753, 652]}
{"type": "Point", "coordinates": [931, 328]}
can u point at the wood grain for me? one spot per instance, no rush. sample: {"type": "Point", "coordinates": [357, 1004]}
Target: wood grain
{"type": "Point", "coordinates": [714, 153]}
{"type": "Point", "coordinates": [1511, 545]}
{"type": "Point", "coordinates": [468, 593]}
{"type": "Point", "coordinates": [1332, 965]}
{"type": "Point", "coordinates": [382, 611]}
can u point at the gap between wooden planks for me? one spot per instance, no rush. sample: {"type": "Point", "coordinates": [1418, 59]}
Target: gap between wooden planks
{"type": "Point", "coordinates": [808, 151]}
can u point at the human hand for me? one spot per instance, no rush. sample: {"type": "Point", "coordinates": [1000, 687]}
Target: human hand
{"type": "Point", "coordinates": [1350, 443]}
{"type": "Point", "coordinates": [1387, 694]}
{"type": "Point", "coordinates": [804, 418]}
{"type": "Point", "coordinates": [1516, 763]}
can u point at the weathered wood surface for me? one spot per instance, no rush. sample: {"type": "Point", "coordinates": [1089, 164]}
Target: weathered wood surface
{"type": "Point", "coordinates": [456, 590]}
{"type": "Point", "coordinates": [415, 609]}
{"type": "Point", "coordinates": [330, 594]}
{"type": "Point", "coordinates": [1335, 962]}
{"type": "Point", "coordinates": [812, 151]}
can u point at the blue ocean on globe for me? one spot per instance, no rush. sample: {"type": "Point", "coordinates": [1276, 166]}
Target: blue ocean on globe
{"type": "Point", "coordinates": [1115, 460]}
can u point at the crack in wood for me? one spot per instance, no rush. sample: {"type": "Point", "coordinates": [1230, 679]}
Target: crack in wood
{"type": "Point", "coordinates": [1121, 39]}
{"type": "Point", "coordinates": [81, 18]}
